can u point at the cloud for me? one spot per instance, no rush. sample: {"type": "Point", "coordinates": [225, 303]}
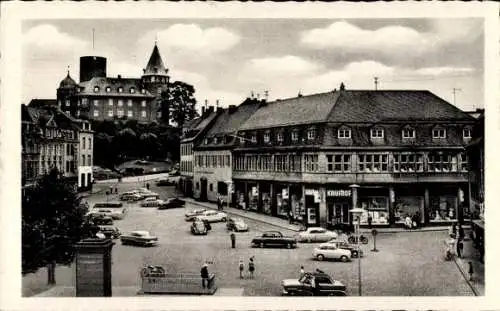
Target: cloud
{"type": "Point", "coordinates": [281, 66]}
{"type": "Point", "coordinates": [192, 37]}
{"type": "Point", "coordinates": [48, 40]}
{"type": "Point", "coordinates": [443, 71]}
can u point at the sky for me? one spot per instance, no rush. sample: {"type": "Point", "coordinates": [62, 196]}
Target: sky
{"type": "Point", "coordinates": [228, 59]}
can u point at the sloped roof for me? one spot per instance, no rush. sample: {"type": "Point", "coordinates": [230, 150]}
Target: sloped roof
{"type": "Point", "coordinates": [200, 126]}
{"type": "Point", "coordinates": [298, 110]}
{"type": "Point", "coordinates": [377, 106]}
{"type": "Point", "coordinates": [42, 102]}
{"type": "Point", "coordinates": [230, 122]}
{"type": "Point", "coordinates": [67, 82]}
{"type": "Point", "coordinates": [114, 83]}
{"type": "Point", "coordinates": [155, 66]}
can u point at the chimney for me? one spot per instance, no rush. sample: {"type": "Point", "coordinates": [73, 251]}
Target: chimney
{"type": "Point", "coordinates": [119, 77]}
{"type": "Point", "coordinates": [342, 86]}
{"type": "Point", "coordinates": [206, 103]}
{"type": "Point", "coordinates": [217, 103]}
{"type": "Point", "coordinates": [232, 108]}
{"type": "Point", "coordinates": [219, 109]}
{"type": "Point", "coordinates": [210, 109]}
{"type": "Point", "coordinates": [202, 111]}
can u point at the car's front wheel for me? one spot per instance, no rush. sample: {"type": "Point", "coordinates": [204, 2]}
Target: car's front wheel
{"type": "Point", "coordinates": [320, 257]}
{"type": "Point", "coordinates": [355, 254]}
{"type": "Point", "coordinates": [223, 219]}
{"type": "Point", "coordinates": [344, 258]}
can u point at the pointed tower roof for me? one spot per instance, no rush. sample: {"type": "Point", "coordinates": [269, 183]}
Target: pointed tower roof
{"type": "Point", "coordinates": [155, 66]}
{"type": "Point", "coordinates": [67, 82]}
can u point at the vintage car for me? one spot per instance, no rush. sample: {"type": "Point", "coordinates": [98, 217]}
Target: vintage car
{"type": "Point", "coordinates": [99, 219]}
{"type": "Point", "coordinates": [353, 248]}
{"type": "Point", "coordinates": [313, 284]}
{"type": "Point", "coordinates": [213, 216]}
{"type": "Point", "coordinates": [130, 196]}
{"type": "Point", "coordinates": [152, 202]}
{"type": "Point", "coordinates": [198, 227]}
{"type": "Point", "coordinates": [331, 251]}
{"type": "Point", "coordinates": [190, 216]}
{"type": "Point", "coordinates": [164, 182]}
{"type": "Point", "coordinates": [141, 238]}
{"type": "Point", "coordinates": [147, 195]}
{"type": "Point", "coordinates": [172, 203]}
{"type": "Point", "coordinates": [316, 234]}
{"type": "Point", "coordinates": [115, 210]}
{"type": "Point", "coordinates": [274, 238]}
{"type": "Point", "coordinates": [109, 231]}
{"type": "Point", "coordinates": [236, 224]}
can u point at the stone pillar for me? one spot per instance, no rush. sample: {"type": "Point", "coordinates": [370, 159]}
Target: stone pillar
{"type": "Point", "coordinates": [322, 207]}
{"type": "Point", "coordinates": [427, 205]}
{"type": "Point", "coordinates": [392, 199]}
{"type": "Point", "coordinates": [271, 197]}
{"type": "Point", "coordinates": [93, 268]}
{"type": "Point", "coordinates": [460, 206]}
{"type": "Point", "coordinates": [354, 191]}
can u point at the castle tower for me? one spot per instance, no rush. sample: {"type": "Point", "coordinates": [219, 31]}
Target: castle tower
{"type": "Point", "coordinates": [66, 99]}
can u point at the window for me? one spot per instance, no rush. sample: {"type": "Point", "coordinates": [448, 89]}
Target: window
{"type": "Point", "coordinates": [90, 143]}
{"type": "Point", "coordinates": [295, 136]}
{"type": "Point", "coordinates": [372, 163]}
{"type": "Point", "coordinates": [120, 103]}
{"type": "Point", "coordinates": [83, 160]}
{"type": "Point", "coordinates": [110, 113]}
{"type": "Point", "coordinates": [377, 133]}
{"type": "Point", "coordinates": [344, 133]}
{"type": "Point", "coordinates": [408, 162]}
{"type": "Point", "coordinates": [83, 143]}
{"type": "Point", "coordinates": [120, 90]}
{"type": "Point", "coordinates": [129, 103]}
{"type": "Point", "coordinates": [110, 102]}
{"type": "Point", "coordinates": [158, 114]}
{"type": "Point", "coordinates": [311, 162]}
{"type": "Point", "coordinates": [108, 89]}
{"type": "Point", "coordinates": [442, 162]}
{"type": "Point", "coordinates": [311, 134]}
{"type": "Point", "coordinates": [228, 160]}
{"type": "Point", "coordinates": [463, 162]}
{"type": "Point", "coordinates": [143, 103]}
{"type": "Point", "coordinates": [89, 160]}
{"type": "Point", "coordinates": [132, 90]}
{"type": "Point", "coordinates": [143, 91]}
{"type": "Point", "coordinates": [279, 137]}
{"type": "Point", "coordinates": [143, 113]}
{"type": "Point", "coordinates": [338, 163]}
{"type": "Point", "coordinates": [130, 113]}
{"type": "Point", "coordinates": [96, 89]}
{"type": "Point", "coordinates": [120, 113]}
{"type": "Point", "coordinates": [280, 162]}
{"type": "Point", "coordinates": [216, 140]}
{"type": "Point", "coordinates": [253, 138]}
{"type": "Point", "coordinates": [96, 102]}
{"type": "Point", "coordinates": [408, 133]}
{"type": "Point", "coordinates": [467, 133]}
{"type": "Point", "coordinates": [205, 141]}
{"type": "Point", "coordinates": [267, 137]}
{"type": "Point", "coordinates": [67, 102]}
{"type": "Point", "coordinates": [439, 133]}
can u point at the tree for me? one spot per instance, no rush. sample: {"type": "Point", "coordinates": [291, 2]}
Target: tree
{"type": "Point", "coordinates": [103, 153]}
{"type": "Point", "coordinates": [52, 222]}
{"type": "Point", "coordinates": [178, 103]}
{"type": "Point", "coordinates": [149, 145]}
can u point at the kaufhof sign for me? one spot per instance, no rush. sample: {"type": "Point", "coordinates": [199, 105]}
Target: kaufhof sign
{"type": "Point", "coordinates": [338, 193]}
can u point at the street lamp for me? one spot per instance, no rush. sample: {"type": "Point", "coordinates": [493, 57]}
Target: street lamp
{"type": "Point", "coordinates": [229, 190]}
{"type": "Point", "coordinates": [356, 214]}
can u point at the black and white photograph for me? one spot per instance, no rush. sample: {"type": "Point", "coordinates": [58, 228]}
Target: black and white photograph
{"type": "Point", "coordinates": [251, 155]}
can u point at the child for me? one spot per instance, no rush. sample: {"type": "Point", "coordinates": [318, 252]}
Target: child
{"type": "Point", "coordinates": [301, 272]}
{"type": "Point", "coordinates": [251, 267]}
{"type": "Point", "coordinates": [241, 267]}
{"type": "Point", "coordinates": [471, 271]}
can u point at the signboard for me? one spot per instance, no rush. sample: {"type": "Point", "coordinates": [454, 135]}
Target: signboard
{"type": "Point", "coordinates": [311, 191]}
{"type": "Point", "coordinates": [317, 197]}
{"type": "Point", "coordinates": [230, 188]}
{"type": "Point", "coordinates": [284, 194]}
{"type": "Point", "coordinates": [338, 193]}
{"type": "Point", "coordinates": [255, 191]}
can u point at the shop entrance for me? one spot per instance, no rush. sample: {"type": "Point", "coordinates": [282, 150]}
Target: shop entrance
{"type": "Point", "coordinates": [338, 212]}
{"type": "Point", "coordinates": [312, 211]}
{"type": "Point", "coordinates": [203, 191]}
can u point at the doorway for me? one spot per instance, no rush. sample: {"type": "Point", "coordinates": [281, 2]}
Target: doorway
{"type": "Point", "coordinates": [203, 191]}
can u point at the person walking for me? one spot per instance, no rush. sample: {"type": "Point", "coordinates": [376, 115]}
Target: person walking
{"type": "Point", "coordinates": [460, 248]}
{"type": "Point", "coordinates": [461, 233]}
{"type": "Point", "coordinates": [204, 275]}
{"type": "Point", "coordinates": [370, 221]}
{"type": "Point", "coordinates": [218, 202]}
{"type": "Point", "coordinates": [233, 240]}
{"type": "Point", "coordinates": [471, 271]}
{"type": "Point", "coordinates": [241, 267]}
{"type": "Point", "coordinates": [301, 272]}
{"type": "Point", "coordinates": [290, 217]}
{"type": "Point", "coordinates": [251, 267]}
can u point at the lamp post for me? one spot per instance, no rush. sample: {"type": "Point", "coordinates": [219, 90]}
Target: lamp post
{"type": "Point", "coordinates": [229, 189]}
{"type": "Point", "coordinates": [356, 214]}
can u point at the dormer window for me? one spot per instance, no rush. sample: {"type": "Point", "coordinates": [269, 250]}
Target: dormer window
{"type": "Point", "coordinates": [311, 134]}
{"type": "Point", "coordinates": [295, 136]}
{"type": "Point", "coordinates": [205, 141]}
{"type": "Point", "coordinates": [267, 137]}
{"type": "Point", "coordinates": [467, 133]}
{"type": "Point", "coordinates": [279, 137]}
{"type": "Point", "coordinates": [242, 138]}
{"type": "Point", "coordinates": [344, 133]}
{"type": "Point", "coordinates": [408, 133]}
{"type": "Point", "coordinates": [132, 90]}
{"type": "Point", "coordinates": [377, 133]}
{"type": "Point", "coordinates": [438, 133]}
{"type": "Point", "coordinates": [120, 90]}
{"type": "Point", "coordinates": [253, 138]}
{"type": "Point", "coordinates": [143, 91]}
{"type": "Point", "coordinates": [216, 140]}
{"type": "Point", "coordinates": [96, 89]}
{"type": "Point", "coordinates": [108, 89]}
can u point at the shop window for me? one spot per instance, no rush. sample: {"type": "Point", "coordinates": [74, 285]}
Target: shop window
{"type": "Point", "coordinates": [408, 206]}
{"type": "Point", "coordinates": [373, 163]}
{"type": "Point", "coordinates": [443, 208]}
{"type": "Point", "coordinates": [338, 163]}
{"type": "Point", "coordinates": [408, 163]}
{"type": "Point", "coordinates": [311, 162]}
{"type": "Point", "coordinates": [377, 208]}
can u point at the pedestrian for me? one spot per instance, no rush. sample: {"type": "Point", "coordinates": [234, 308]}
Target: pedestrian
{"type": "Point", "coordinates": [204, 275]}
{"type": "Point", "coordinates": [251, 267]}
{"type": "Point", "coordinates": [241, 267]}
{"type": "Point", "coordinates": [290, 216]}
{"type": "Point", "coordinates": [460, 248]}
{"type": "Point", "coordinates": [233, 240]}
{"type": "Point", "coordinates": [147, 186]}
{"type": "Point", "coordinates": [221, 204]}
{"type": "Point", "coordinates": [471, 271]}
{"type": "Point", "coordinates": [417, 219]}
{"type": "Point", "coordinates": [453, 229]}
{"type": "Point", "coordinates": [370, 221]}
{"type": "Point", "coordinates": [461, 233]}
{"type": "Point", "coordinates": [301, 272]}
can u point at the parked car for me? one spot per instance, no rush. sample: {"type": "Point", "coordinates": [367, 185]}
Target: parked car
{"type": "Point", "coordinates": [274, 238]}
{"type": "Point", "coordinates": [331, 251]}
{"type": "Point", "coordinates": [164, 182]}
{"type": "Point", "coordinates": [172, 203]}
{"type": "Point", "coordinates": [147, 195]}
{"type": "Point", "coordinates": [130, 196]}
{"type": "Point", "coordinates": [114, 210]}
{"type": "Point", "coordinates": [142, 238]}
{"type": "Point", "coordinates": [236, 224]}
{"type": "Point", "coordinates": [99, 219]}
{"type": "Point", "coordinates": [313, 284]}
{"type": "Point", "coordinates": [174, 172]}
{"type": "Point", "coordinates": [316, 234]}
{"type": "Point", "coordinates": [152, 202]}
{"type": "Point", "coordinates": [213, 216]}
{"type": "Point", "coordinates": [190, 216]}
{"type": "Point", "coordinates": [353, 248]}
{"type": "Point", "coordinates": [110, 231]}
{"type": "Point", "coordinates": [198, 227]}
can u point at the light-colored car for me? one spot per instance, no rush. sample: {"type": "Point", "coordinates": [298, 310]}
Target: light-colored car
{"type": "Point", "coordinates": [190, 216]}
{"type": "Point", "coordinates": [152, 202]}
{"type": "Point", "coordinates": [331, 251]}
{"type": "Point", "coordinates": [212, 216]}
{"type": "Point", "coordinates": [143, 238]}
{"type": "Point", "coordinates": [316, 234]}
{"type": "Point", "coordinates": [236, 224]}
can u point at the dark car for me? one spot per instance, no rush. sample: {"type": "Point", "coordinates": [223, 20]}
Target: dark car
{"type": "Point", "coordinates": [172, 203]}
{"type": "Point", "coordinates": [100, 220]}
{"type": "Point", "coordinates": [274, 238]}
{"type": "Point", "coordinates": [141, 238]}
{"type": "Point", "coordinates": [164, 182]}
{"type": "Point", "coordinates": [199, 227]}
{"type": "Point", "coordinates": [313, 284]}
{"type": "Point", "coordinates": [110, 231]}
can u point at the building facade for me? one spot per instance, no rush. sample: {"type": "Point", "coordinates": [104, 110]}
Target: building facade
{"type": "Point", "coordinates": [85, 154]}
{"type": "Point", "coordinates": [393, 153]}
{"type": "Point", "coordinates": [99, 97]}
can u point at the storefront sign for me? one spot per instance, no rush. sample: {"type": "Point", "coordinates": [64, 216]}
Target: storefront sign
{"type": "Point", "coordinates": [338, 193]}
{"type": "Point", "coordinates": [311, 191]}
{"type": "Point", "coordinates": [255, 191]}
{"type": "Point", "coordinates": [284, 194]}
{"type": "Point", "coordinates": [317, 197]}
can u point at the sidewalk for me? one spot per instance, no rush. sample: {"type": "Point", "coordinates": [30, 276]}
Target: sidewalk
{"type": "Point", "coordinates": [282, 223]}
{"type": "Point", "coordinates": [472, 255]}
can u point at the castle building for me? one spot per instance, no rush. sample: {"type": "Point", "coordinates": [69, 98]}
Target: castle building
{"type": "Point", "coordinates": [99, 97]}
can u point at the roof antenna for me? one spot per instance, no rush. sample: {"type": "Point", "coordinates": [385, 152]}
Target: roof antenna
{"type": "Point", "coordinates": [156, 39]}
{"type": "Point", "coordinates": [376, 83]}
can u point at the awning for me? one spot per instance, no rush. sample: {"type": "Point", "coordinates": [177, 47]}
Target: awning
{"type": "Point", "coordinates": [479, 223]}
